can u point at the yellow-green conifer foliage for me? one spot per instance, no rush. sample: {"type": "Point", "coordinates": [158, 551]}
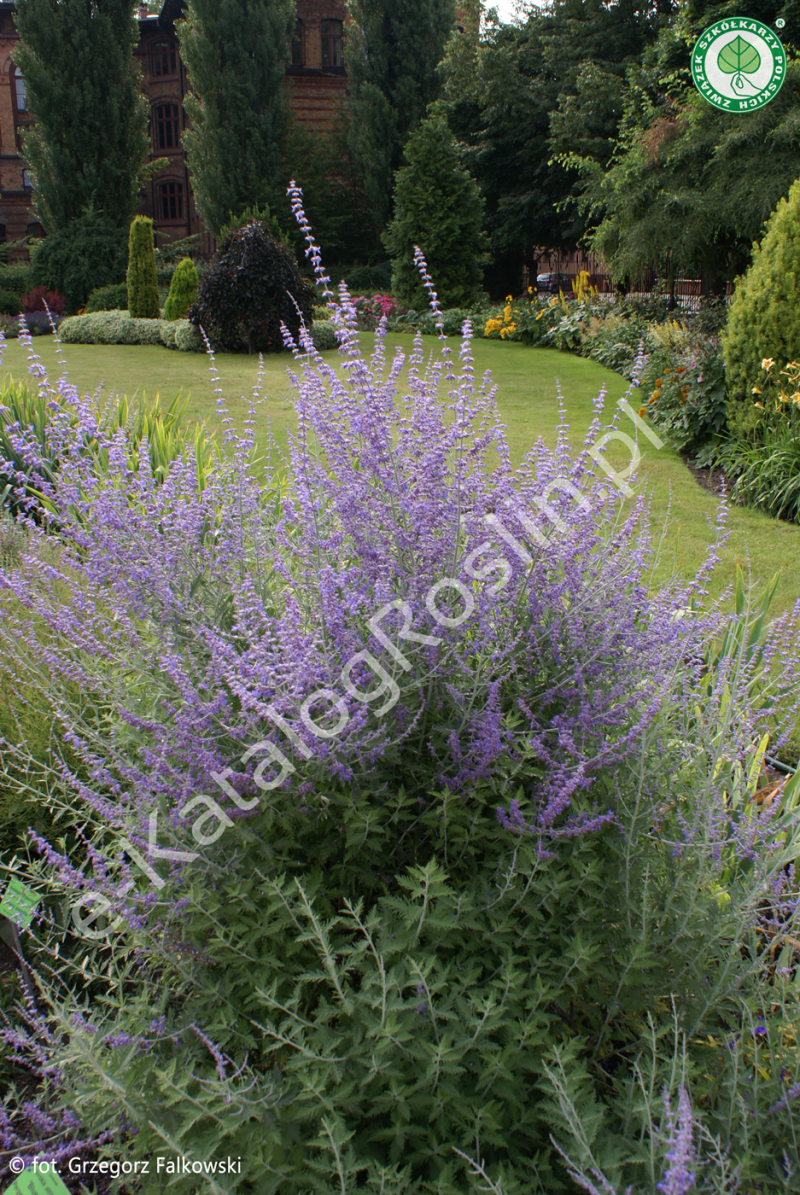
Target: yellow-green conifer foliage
{"type": "Point", "coordinates": [182, 290]}
{"type": "Point", "coordinates": [764, 318]}
{"type": "Point", "coordinates": [142, 273]}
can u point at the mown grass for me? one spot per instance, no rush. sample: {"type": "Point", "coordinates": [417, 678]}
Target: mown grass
{"type": "Point", "coordinates": [528, 382]}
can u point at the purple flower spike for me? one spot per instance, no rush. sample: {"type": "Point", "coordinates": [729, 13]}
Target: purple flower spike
{"type": "Point", "coordinates": [679, 1176]}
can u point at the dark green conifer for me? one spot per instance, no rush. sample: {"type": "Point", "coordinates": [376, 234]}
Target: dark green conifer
{"type": "Point", "coordinates": [236, 54]}
{"type": "Point", "coordinates": [438, 208]}
{"type": "Point", "coordinates": [87, 149]}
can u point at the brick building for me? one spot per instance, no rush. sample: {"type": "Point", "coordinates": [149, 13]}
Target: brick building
{"type": "Point", "coordinates": [315, 83]}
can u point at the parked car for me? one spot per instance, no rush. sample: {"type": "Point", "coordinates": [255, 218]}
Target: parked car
{"type": "Point", "coordinates": [553, 283]}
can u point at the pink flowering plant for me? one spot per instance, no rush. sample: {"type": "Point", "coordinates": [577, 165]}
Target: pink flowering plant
{"type": "Point", "coordinates": [374, 308]}
{"type": "Point", "coordinates": [381, 779]}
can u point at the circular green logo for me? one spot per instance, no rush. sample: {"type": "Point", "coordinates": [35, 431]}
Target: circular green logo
{"type": "Point", "coordinates": [738, 64]}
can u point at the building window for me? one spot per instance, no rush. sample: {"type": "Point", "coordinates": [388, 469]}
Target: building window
{"type": "Point", "coordinates": [167, 127]}
{"type": "Point", "coordinates": [35, 229]}
{"type": "Point", "coordinates": [2, 233]}
{"type": "Point", "coordinates": [331, 34]}
{"type": "Point", "coordinates": [170, 200]}
{"type": "Point", "coordinates": [296, 46]}
{"type": "Point", "coordinates": [164, 58]}
{"type": "Point", "coordinates": [26, 180]}
{"type": "Point", "coordinates": [19, 89]}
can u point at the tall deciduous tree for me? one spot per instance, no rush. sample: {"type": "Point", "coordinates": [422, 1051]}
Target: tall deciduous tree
{"type": "Point", "coordinates": [88, 147]}
{"type": "Point", "coordinates": [550, 85]}
{"type": "Point", "coordinates": [393, 50]}
{"type": "Point", "coordinates": [689, 187]}
{"type": "Point", "coordinates": [236, 54]}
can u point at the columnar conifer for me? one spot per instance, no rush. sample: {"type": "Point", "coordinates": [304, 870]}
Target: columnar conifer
{"type": "Point", "coordinates": [235, 53]}
{"type": "Point", "coordinates": [89, 143]}
{"type": "Point", "coordinates": [143, 300]}
{"type": "Point", "coordinates": [764, 318]}
{"type": "Point", "coordinates": [438, 208]}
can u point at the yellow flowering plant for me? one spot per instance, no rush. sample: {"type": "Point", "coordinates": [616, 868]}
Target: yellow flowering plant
{"type": "Point", "coordinates": [766, 460]}
{"type": "Point", "coordinates": [524, 319]}
{"type": "Point", "coordinates": [777, 390]}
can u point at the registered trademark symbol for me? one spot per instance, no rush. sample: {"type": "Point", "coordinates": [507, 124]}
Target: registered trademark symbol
{"type": "Point", "coordinates": [780, 23]}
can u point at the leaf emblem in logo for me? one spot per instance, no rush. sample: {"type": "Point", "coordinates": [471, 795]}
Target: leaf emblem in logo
{"type": "Point", "coordinates": [739, 58]}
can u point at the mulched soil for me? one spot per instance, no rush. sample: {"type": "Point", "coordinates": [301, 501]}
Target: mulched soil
{"type": "Point", "coordinates": [9, 965]}
{"type": "Point", "coordinates": [713, 480]}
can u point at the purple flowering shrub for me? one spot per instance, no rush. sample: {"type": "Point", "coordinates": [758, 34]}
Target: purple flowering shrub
{"type": "Point", "coordinates": [389, 778]}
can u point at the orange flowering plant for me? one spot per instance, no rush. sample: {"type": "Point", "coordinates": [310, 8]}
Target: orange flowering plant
{"type": "Point", "coordinates": [686, 401]}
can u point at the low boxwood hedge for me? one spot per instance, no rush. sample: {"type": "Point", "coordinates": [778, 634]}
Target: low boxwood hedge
{"type": "Point", "coordinates": [109, 298]}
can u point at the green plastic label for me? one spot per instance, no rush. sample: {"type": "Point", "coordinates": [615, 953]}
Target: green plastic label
{"type": "Point", "coordinates": [38, 1182]}
{"type": "Point", "coordinates": [19, 903]}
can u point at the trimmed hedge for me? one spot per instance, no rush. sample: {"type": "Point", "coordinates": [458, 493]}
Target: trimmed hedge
{"type": "Point", "coordinates": [117, 327]}
{"type": "Point", "coordinates": [168, 333]}
{"type": "Point", "coordinates": [16, 278]}
{"type": "Point", "coordinates": [109, 298]}
{"type": "Point", "coordinates": [323, 333]}
{"type": "Point", "coordinates": [187, 338]}
{"type": "Point", "coordinates": [10, 302]}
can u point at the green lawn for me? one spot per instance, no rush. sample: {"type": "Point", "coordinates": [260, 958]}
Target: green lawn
{"type": "Point", "coordinates": [527, 396]}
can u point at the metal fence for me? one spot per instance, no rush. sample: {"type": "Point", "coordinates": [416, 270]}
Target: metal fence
{"type": "Point", "coordinates": [688, 291]}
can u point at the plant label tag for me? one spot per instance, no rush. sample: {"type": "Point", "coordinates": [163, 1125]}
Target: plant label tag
{"type": "Point", "coordinates": [19, 903]}
{"type": "Point", "coordinates": [38, 1182]}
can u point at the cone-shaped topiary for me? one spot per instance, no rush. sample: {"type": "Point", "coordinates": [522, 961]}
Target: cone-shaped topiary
{"type": "Point", "coordinates": [438, 207]}
{"type": "Point", "coordinates": [764, 319]}
{"type": "Point", "coordinates": [252, 288]}
{"type": "Point", "coordinates": [142, 274]}
{"type": "Point", "coordinates": [182, 290]}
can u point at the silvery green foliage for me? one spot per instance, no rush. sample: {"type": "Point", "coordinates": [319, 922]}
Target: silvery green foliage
{"type": "Point", "coordinates": [187, 338]}
{"type": "Point", "coordinates": [489, 1001]}
{"type": "Point", "coordinates": [117, 327]}
{"type": "Point", "coordinates": [110, 327]}
{"type": "Point", "coordinates": [363, 974]}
